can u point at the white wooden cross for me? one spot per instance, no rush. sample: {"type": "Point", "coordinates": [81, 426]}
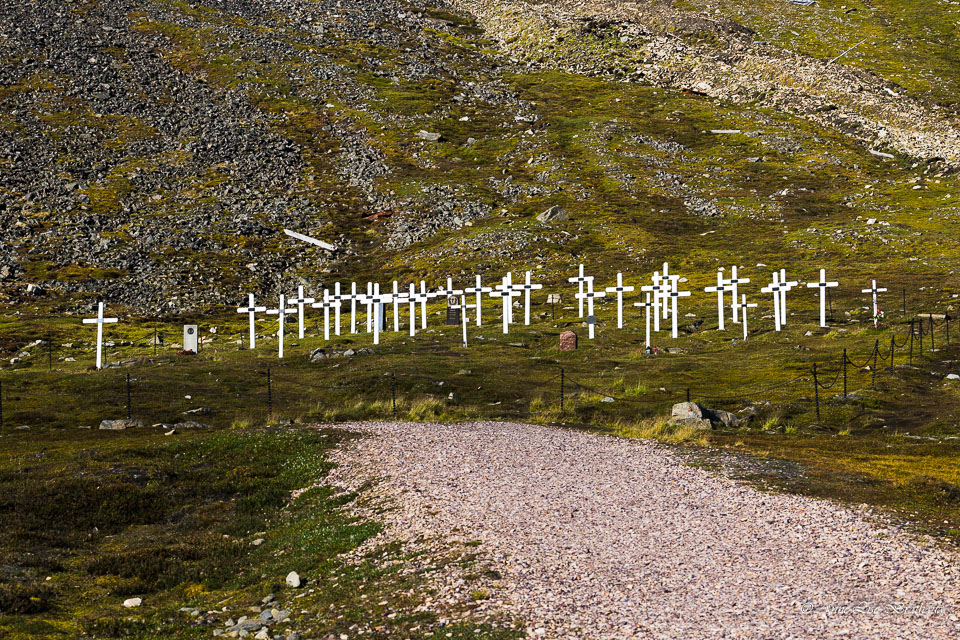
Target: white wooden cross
{"type": "Point", "coordinates": [479, 290]}
{"type": "Point", "coordinates": [337, 297]}
{"type": "Point", "coordinates": [423, 297]}
{"type": "Point", "coordinates": [252, 309]}
{"type": "Point", "coordinates": [874, 290]}
{"type": "Point", "coordinates": [397, 297]}
{"type": "Point", "coordinates": [823, 285]}
{"type": "Point", "coordinates": [464, 306]}
{"type": "Point", "coordinates": [506, 291]}
{"type": "Point", "coordinates": [352, 297]}
{"type": "Point", "coordinates": [673, 295]}
{"type": "Point", "coordinates": [100, 321]}
{"type": "Point", "coordinates": [668, 281]}
{"type": "Point", "coordinates": [658, 292]}
{"type": "Point", "coordinates": [743, 308]}
{"type": "Point", "coordinates": [281, 312]}
{"type": "Point", "coordinates": [721, 288]}
{"type": "Point", "coordinates": [784, 287]}
{"type": "Point", "coordinates": [300, 301]}
{"type": "Point", "coordinates": [328, 302]}
{"type": "Point", "coordinates": [379, 302]}
{"type": "Point", "coordinates": [367, 301]}
{"type": "Point", "coordinates": [646, 312]}
{"type": "Point", "coordinates": [619, 290]}
{"type": "Point", "coordinates": [526, 288]}
{"type": "Point", "coordinates": [774, 288]}
{"type": "Point", "coordinates": [589, 296]}
{"type": "Point", "coordinates": [732, 282]}
{"type": "Point", "coordinates": [581, 280]}
{"type": "Point", "coordinates": [413, 298]}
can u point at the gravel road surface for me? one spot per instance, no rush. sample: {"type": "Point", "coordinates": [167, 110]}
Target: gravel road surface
{"type": "Point", "coordinates": [601, 537]}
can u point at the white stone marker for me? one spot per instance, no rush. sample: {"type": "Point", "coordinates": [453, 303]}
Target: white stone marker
{"type": "Point", "coordinates": [823, 285]}
{"type": "Point", "coordinates": [874, 290]}
{"type": "Point", "coordinates": [619, 290]}
{"type": "Point", "coordinates": [506, 291]}
{"type": "Point", "coordinates": [784, 287]}
{"type": "Point", "coordinates": [774, 288]}
{"type": "Point", "coordinates": [580, 280]}
{"type": "Point", "coordinates": [589, 296]}
{"type": "Point", "coordinates": [191, 338]}
{"type": "Point", "coordinates": [673, 295]}
{"type": "Point", "coordinates": [100, 321]}
{"type": "Point", "coordinates": [281, 312]}
{"type": "Point", "coordinates": [646, 312]}
{"type": "Point", "coordinates": [743, 308]}
{"type": "Point", "coordinates": [658, 292]}
{"type": "Point", "coordinates": [300, 301]}
{"type": "Point", "coordinates": [479, 290]}
{"type": "Point", "coordinates": [721, 288]}
{"type": "Point", "coordinates": [252, 310]}
{"type": "Point", "coordinates": [526, 288]}
{"type": "Point", "coordinates": [732, 282]}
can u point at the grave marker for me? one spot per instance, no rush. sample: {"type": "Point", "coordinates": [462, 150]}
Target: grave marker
{"type": "Point", "coordinates": [619, 290]}
{"type": "Point", "coordinates": [733, 282]}
{"type": "Point", "coordinates": [743, 308]}
{"type": "Point", "coordinates": [720, 289]}
{"type": "Point", "coordinates": [823, 285]}
{"type": "Point", "coordinates": [100, 321]}
{"type": "Point", "coordinates": [300, 301]}
{"type": "Point", "coordinates": [506, 291]}
{"type": "Point", "coordinates": [191, 337]}
{"type": "Point", "coordinates": [526, 288]}
{"type": "Point", "coordinates": [673, 295]}
{"type": "Point", "coordinates": [328, 302]}
{"type": "Point", "coordinates": [774, 288]}
{"type": "Point", "coordinates": [658, 291]}
{"type": "Point", "coordinates": [589, 296]}
{"type": "Point", "coordinates": [647, 305]}
{"type": "Point", "coordinates": [784, 288]}
{"type": "Point", "coordinates": [580, 280]}
{"type": "Point", "coordinates": [281, 313]}
{"type": "Point", "coordinates": [874, 290]}
{"type": "Point", "coordinates": [479, 290]}
{"type": "Point", "coordinates": [252, 310]}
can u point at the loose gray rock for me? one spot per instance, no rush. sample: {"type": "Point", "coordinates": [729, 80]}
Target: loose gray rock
{"type": "Point", "coordinates": [120, 425]}
{"type": "Point", "coordinates": [429, 137]}
{"type": "Point", "coordinates": [555, 213]}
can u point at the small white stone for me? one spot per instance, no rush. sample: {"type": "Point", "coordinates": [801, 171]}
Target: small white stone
{"type": "Point", "coordinates": [130, 603]}
{"type": "Point", "coordinates": [293, 579]}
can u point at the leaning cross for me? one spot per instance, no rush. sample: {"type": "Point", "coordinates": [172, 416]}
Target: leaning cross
{"type": "Point", "coordinates": [822, 285]}
{"type": "Point", "coordinates": [720, 289]}
{"type": "Point", "coordinates": [619, 290]}
{"type": "Point", "coordinates": [743, 308]}
{"type": "Point", "coordinates": [646, 312]}
{"type": "Point", "coordinates": [300, 301]}
{"type": "Point", "coordinates": [252, 309]}
{"type": "Point", "coordinates": [281, 312]}
{"type": "Point", "coordinates": [580, 280]}
{"type": "Point", "coordinates": [100, 321]}
{"type": "Point", "coordinates": [874, 290]}
{"type": "Point", "coordinates": [732, 283]}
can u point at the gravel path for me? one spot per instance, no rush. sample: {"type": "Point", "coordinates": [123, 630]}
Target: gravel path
{"type": "Point", "coordinates": [601, 537]}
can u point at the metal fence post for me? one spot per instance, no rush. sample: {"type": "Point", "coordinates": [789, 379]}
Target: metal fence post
{"type": "Point", "coordinates": [911, 343]}
{"type": "Point", "coordinates": [128, 397]}
{"type": "Point", "coordinates": [688, 394]}
{"type": "Point", "coordinates": [269, 395]}
{"type": "Point", "coordinates": [844, 373]}
{"type": "Point", "coordinates": [561, 390]}
{"type": "Point", "coordinates": [873, 370]}
{"type": "Point", "coordinates": [393, 392]}
{"type": "Point", "coordinates": [920, 334]}
{"type": "Point", "coordinates": [932, 345]}
{"type": "Point", "coordinates": [891, 353]}
{"type": "Point", "coordinates": [816, 390]}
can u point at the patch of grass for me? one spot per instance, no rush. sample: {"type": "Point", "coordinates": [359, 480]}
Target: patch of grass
{"type": "Point", "coordinates": [663, 430]}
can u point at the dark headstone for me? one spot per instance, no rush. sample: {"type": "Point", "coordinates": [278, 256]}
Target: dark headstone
{"type": "Point", "coordinates": [453, 310]}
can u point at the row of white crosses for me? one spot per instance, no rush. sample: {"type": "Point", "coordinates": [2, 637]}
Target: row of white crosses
{"type": "Point", "coordinates": [376, 302]}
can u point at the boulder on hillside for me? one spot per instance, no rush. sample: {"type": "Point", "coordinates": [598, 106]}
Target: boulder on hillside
{"type": "Point", "coordinates": [120, 425]}
{"type": "Point", "coordinates": [696, 415]}
{"type": "Point", "coordinates": [555, 213]}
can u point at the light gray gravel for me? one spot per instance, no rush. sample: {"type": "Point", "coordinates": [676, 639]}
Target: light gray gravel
{"type": "Point", "coordinates": [600, 537]}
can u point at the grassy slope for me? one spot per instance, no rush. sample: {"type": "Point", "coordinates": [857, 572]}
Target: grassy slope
{"type": "Point", "coordinates": [89, 519]}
